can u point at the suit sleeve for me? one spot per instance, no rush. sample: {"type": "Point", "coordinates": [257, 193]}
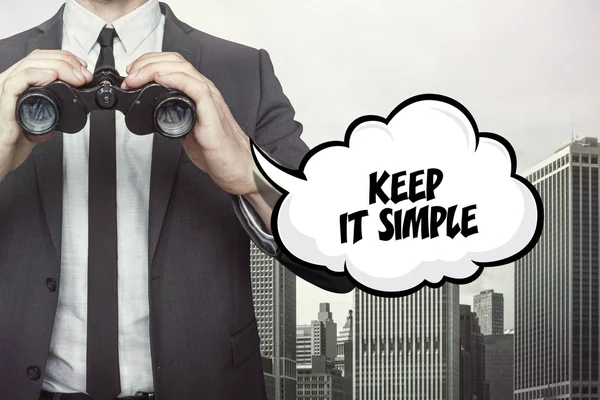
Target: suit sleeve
{"type": "Point", "coordinates": [278, 133]}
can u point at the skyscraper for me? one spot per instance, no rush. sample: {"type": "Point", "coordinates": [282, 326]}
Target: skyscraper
{"type": "Point", "coordinates": [343, 360]}
{"type": "Point", "coordinates": [274, 292]}
{"type": "Point", "coordinates": [326, 318]}
{"type": "Point", "coordinates": [303, 345]}
{"type": "Point", "coordinates": [557, 284]}
{"type": "Point", "coordinates": [489, 307]}
{"type": "Point", "coordinates": [319, 336]}
{"type": "Point", "coordinates": [310, 341]}
{"type": "Point", "coordinates": [407, 347]}
{"type": "Point", "coordinates": [499, 365]}
{"type": "Point", "coordinates": [269, 377]}
{"type": "Point", "coordinates": [472, 356]}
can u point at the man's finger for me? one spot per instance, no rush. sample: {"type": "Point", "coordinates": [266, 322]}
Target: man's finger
{"type": "Point", "coordinates": [17, 84]}
{"type": "Point", "coordinates": [153, 57]}
{"type": "Point", "coordinates": [36, 59]}
{"type": "Point", "coordinates": [74, 76]}
{"type": "Point", "coordinates": [146, 74]}
{"type": "Point", "coordinates": [75, 61]}
{"type": "Point", "coordinates": [60, 54]}
{"type": "Point", "coordinates": [219, 100]}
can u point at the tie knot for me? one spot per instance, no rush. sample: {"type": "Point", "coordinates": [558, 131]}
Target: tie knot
{"type": "Point", "coordinates": [106, 37]}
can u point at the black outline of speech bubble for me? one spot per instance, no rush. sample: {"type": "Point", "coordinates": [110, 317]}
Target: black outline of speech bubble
{"type": "Point", "coordinates": [346, 143]}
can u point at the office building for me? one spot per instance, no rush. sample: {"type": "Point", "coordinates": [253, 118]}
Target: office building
{"type": "Point", "coordinates": [343, 360]}
{"type": "Point", "coordinates": [330, 327]}
{"type": "Point", "coordinates": [269, 377]}
{"type": "Point", "coordinates": [499, 365]}
{"type": "Point", "coordinates": [303, 345]}
{"type": "Point", "coordinates": [321, 381]}
{"type": "Point", "coordinates": [472, 357]}
{"type": "Point", "coordinates": [310, 341]}
{"type": "Point", "coordinates": [319, 338]}
{"type": "Point", "coordinates": [489, 307]}
{"type": "Point", "coordinates": [274, 292]}
{"type": "Point", "coordinates": [557, 307]}
{"type": "Point", "coordinates": [407, 347]}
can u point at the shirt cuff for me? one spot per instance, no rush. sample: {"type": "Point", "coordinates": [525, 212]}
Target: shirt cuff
{"type": "Point", "coordinates": [258, 232]}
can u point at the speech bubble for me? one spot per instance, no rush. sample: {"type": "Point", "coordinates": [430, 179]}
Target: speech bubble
{"type": "Point", "coordinates": [418, 198]}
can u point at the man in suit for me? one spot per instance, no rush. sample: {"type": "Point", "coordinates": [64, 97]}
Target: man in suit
{"type": "Point", "coordinates": [172, 316]}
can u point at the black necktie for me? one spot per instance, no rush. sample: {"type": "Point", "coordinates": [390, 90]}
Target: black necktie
{"type": "Point", "coordinates": [103, 378]}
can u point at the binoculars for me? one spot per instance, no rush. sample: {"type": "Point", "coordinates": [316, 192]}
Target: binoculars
{"type": "Point", "coordinates": [61, 107]}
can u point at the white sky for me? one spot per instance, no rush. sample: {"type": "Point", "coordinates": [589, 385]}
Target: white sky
{"type": "Point", "coordinates": [521, 68]}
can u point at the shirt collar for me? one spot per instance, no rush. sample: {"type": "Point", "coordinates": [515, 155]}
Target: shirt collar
{"type": "Point", "coordinates": [131, 28]}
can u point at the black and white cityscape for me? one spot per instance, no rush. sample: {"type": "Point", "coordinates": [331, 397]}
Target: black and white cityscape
{"type": "Point", "coordinates": [429, 346]}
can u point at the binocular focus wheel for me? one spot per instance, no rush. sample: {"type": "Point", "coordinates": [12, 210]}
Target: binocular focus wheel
{"type": "Point", "coordinates": [175, 116]}
{"type": "Point", "coordinates": [37, 112]}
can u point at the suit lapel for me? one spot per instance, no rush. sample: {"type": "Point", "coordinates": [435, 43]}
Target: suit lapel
{"type": "Point", "coordinates": [48, 156]}
{"type": "Point", "coordinates": [166, 152]}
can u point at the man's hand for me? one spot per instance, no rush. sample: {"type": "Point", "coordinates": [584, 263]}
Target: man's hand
{"type": "Point", "coordinates": [39, 68]}
{"type": "Point", "coordinates": [217, 145]}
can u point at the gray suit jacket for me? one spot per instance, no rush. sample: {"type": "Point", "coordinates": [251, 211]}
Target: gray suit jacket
{"type": "Point", "coordinates": [204, 336]}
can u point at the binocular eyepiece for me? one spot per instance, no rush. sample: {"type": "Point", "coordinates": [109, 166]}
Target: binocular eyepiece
{"type": "Point", "coordinates": [60, 107]}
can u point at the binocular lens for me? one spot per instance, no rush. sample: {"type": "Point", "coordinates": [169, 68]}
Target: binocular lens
{"type": "Point", "coordinates": [175, 117]}
{"type": "Point", "coordinates": [37, 114]}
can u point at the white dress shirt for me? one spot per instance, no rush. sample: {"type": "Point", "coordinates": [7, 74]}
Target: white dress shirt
{"type": "Point", "coordinates": [139, 32]}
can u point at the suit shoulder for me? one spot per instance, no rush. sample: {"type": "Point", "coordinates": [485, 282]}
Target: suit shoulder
{"type": "Point", "coordinates": [224, 48]}
{"type": "Point", "coordinates": [12, 48]}
{"type": "Point", "coordinates": [20, 38]}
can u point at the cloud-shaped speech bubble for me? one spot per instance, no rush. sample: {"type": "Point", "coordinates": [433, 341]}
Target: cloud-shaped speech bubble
{"type": "Point", "coordinates": [418, 198]}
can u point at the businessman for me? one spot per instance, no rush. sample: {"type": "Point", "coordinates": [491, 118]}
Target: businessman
{"type": "Point", "coordinates": [124, 259]}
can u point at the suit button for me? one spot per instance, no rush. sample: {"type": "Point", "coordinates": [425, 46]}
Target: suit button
{"type": "Point", "coordinates": [34, 373]}
{"type": "Point", "coordinates": [51, 283]}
